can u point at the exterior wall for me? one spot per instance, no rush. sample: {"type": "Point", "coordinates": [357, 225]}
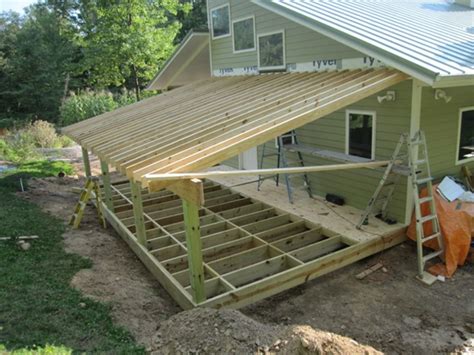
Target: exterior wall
{"type": "Point", "coordinates": [302, 44]}
{"type": "Point", "coordinates": [440, 121]}
{"type": "Point", "coordinates": [356, 186]}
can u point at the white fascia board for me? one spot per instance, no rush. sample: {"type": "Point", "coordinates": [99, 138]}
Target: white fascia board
{"type": "Point", "coordinates": [453, 81]}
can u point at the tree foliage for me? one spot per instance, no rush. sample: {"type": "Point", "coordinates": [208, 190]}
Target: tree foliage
{"type": "Point", "coordinates": [60, 46]}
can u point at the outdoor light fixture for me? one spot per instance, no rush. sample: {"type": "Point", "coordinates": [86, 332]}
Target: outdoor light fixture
{"type": "Point", "coordinates": [389, 96]}
{"type": "Point", "coordinates": [441, 95]}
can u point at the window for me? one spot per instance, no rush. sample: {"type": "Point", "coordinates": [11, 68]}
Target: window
{"type": "Point", "coordinates": [271, 51]}
{"type": "Point", "coordinates": [360, 134]}
{"type": "Point", "coordinates": [243, 31]}
{"type": "Point", "coordinates": [220, 21]}
{"type": "Point", "coordinates": [465, 148]}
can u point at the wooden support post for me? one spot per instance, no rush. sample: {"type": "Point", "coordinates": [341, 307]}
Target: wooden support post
{"type": "Point", "coordinates": [194, 246]}
{"type": "Point", "coordinates": [87, 164]}
{"type": "Point", "coordinates": [107, 186]}
{"type": "Point", "coordinates": [140, 230]}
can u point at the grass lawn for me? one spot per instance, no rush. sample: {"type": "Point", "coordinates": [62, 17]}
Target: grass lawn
{"type": "Point", "coordinates": [37, 305]}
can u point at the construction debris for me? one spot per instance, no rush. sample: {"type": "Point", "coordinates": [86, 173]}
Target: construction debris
{"type": "Point", "coordinates": [24, 237]}
{"type": "Point", "coordinates": [369, 271]}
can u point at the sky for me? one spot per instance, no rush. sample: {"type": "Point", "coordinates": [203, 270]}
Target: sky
{"type": "Point", "coordinates": [15, 5]}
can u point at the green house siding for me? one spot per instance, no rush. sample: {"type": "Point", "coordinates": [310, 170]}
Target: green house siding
{"type": "Point", "coordinates": [302, 44]}
{"type": "Point", "coordinates": [356, 186]}
{"type": "Point", "coordinates": [440, 121]}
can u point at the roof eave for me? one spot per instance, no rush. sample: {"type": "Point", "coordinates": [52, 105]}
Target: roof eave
{"type": "Point", "coordinates": [454, 80]}
{"type": "Point", "coordinates": [176, 52]}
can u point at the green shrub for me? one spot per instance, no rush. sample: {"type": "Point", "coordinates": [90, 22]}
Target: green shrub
{"type": "Point", "coordinates": [63, 142]}
{"type": "Point", "coordinates": [19, 147]}
{"type": "Point", "coordinates": [43, 134]}
{"type": "Point", "coordinates": [85, 105]}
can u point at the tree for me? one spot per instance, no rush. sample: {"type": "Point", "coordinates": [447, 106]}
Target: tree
{"type": "Point", "coordinates": [40, 64]}
{"type": "Point", "coordinates": [127, 41]}
{"type": "Point", "coordinates": [196, 19]}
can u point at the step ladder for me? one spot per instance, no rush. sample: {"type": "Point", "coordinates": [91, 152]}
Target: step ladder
{"type": "Point", "coordinates": [420, 176]}
{"type": "Point", "coordinates": [384, 192]}
{"type": "Point", "coordinates": [287, 139]}
{"type": "Point", "coordinates": [91, 187]}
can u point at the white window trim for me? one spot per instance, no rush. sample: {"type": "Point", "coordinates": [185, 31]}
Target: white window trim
{"type": "Point", "coordinates": [284, 51]}
{"type": "Point", "coordinates": [254, 39]}
{"type": "Point", "coordinates": [374, 129]}
{"type": "Point", "coordinates": [458, 141]}
{"type": "Point", "coordinates": [212, 22]}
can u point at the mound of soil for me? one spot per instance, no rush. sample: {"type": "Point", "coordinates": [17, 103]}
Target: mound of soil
{"type": "Point", "coordinates": [209, 331]}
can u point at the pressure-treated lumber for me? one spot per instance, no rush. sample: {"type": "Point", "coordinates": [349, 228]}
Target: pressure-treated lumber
{"type": "Point", "coordinates": [196, 126]}
{"type": "Point", "coordinates": [249, 249]}
{"type": "Point", "coordinates": [296, 170]}
{"type": "Point", "coordinates": [139, 220]}
{"type": "Point", "coordinates": [190, 190]}
{"type": "Point", "coordinates": [86, 162]}
{"type": "Point", "coordinates": [107, 187]}
{"type": "Point", "coordinates": [193, 243]}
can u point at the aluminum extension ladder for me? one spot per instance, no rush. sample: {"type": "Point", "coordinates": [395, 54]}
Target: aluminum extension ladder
{"type": "Point", "coordinates": [419, 177]}
{"type": "Point", "coordinates": [282, 162]}
{"type": "Point", "coordinates": [92, 186]}
{"type": "Point", "coordinates": [420, 174]}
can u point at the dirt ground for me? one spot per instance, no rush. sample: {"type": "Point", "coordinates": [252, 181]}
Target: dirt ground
{"type": "Point", "coordinates": [390, 311]}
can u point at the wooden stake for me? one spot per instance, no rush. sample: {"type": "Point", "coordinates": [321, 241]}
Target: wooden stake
{"type": "Point", "coordinates": [140, 230]}
{"type": "Point", "coordinates": [87, 164]}
{"type": "Point", "coordinates": [193, 243]}
{"type": "Point", "coordinates": [107, 188]}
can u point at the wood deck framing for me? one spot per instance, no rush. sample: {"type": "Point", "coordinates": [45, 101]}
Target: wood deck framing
{"type": "Point", "coordinates": [250, 250]}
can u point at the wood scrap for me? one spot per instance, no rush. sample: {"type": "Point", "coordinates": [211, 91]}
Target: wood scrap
{"type": "Point", "coordinates": [369, 271]}
{"type": "Point", "coordinates": [23, 237]}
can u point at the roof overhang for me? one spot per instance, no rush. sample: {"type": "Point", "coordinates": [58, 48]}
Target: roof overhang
{"type": "Point", "coordinates": [202, 124]}
{"type": "Point", "coordinates": [419, 72]}
{"type": "Point", "coordinates": [188, 63]}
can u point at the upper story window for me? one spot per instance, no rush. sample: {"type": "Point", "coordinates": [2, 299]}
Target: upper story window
{"type": "Point", "coordinates": [465, 148]}
{"type": "Point", "coordinates": [360, 134]}
{"type": "Point", "coordinates": [243, 31]}
{"type": "Point", "coordinates": [271, 51]}
{"type": "Point", "coordinates": [220, 21]}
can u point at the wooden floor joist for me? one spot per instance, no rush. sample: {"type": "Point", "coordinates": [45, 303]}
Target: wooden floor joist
{"type": "Point", "coordinates": [250, 250]}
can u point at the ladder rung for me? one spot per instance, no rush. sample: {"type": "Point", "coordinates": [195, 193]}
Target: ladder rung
{"type": "Point", "coordinates": [428, 218]}
{"type": "Point", "coordinates": [431, 237]}
{"type": "Point", "coordinates": [432, 255]}
{"type": "Point", "coordinates": [416, 142]}
{"type": "Point", "coordinates": [421, 161]}
{"type": "Point", "coordinates": [425, 199]}
{"type": "Point", "coordinates": [424, 180]}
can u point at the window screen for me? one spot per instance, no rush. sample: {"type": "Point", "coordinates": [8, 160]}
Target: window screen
{"type": "Point", "coordinates": [220, 21]}
{"type": "Point", "coordinates": [271, 51]}
{"type": "Point", "coordinates": [244, 36]}
{"type": "Point", "coordinates": [466, 135]}
{"type": "Point", "coordinates": [360, 132]}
